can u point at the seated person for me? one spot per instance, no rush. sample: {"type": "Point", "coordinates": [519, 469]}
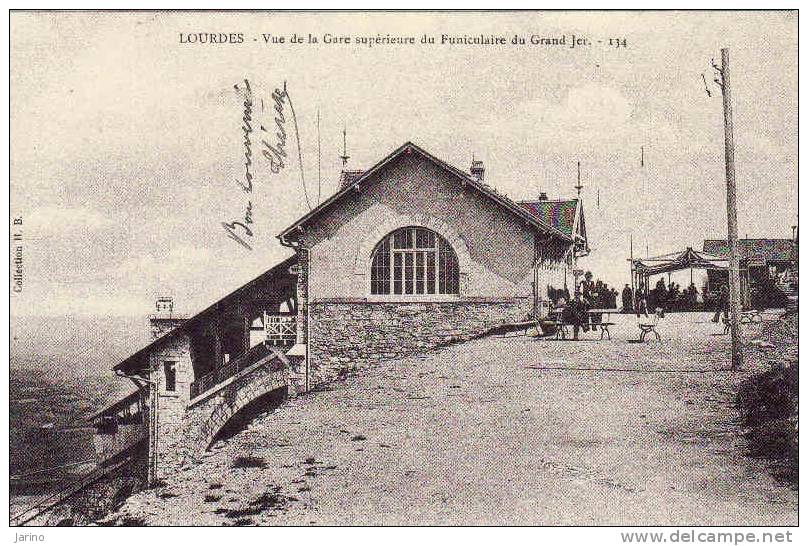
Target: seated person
{"type": "Point", "coordinates": [576, 314]}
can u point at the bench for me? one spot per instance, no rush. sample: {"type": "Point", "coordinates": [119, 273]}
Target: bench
{"type": "Point", "coordinates": [604, 325]}
{"type": "Point", "coordinates": [561, 327]}
{"type": "Point", "coordinates": [650, 327]}
{"type": "Point", "coordinates": [604, 329]}
{"type": "Point", "coordinates": [750, 316]}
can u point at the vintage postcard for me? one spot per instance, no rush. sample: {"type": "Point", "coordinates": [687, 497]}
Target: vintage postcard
{"type": "Point", "coordinates": [422, 268]}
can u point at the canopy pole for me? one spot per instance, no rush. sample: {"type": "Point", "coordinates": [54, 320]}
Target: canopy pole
{"type": "Point", "coordinates": [631, 267]}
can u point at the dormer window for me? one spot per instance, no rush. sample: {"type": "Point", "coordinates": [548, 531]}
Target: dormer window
{"type": "Point", "coordinates": [414, 261]}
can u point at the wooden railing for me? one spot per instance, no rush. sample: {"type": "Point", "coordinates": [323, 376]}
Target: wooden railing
{"type": "Point", "coordinates": [215, 377]}
{"type": "Point", "coordinates": [280, 329]}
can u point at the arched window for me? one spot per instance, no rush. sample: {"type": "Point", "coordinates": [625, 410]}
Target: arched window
{"type": "Point", "coordinates": [414, 261]}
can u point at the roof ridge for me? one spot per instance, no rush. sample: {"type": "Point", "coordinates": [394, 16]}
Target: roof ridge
{"type": "Point", "coordinates": [754, 239]}
{"type": "Point", "coordinates": [410, 146]}
{"type": "Point", "coordinates": [548, 200]}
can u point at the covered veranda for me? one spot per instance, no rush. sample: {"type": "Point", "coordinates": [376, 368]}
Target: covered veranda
{"type": "Point", "coordinates": [642, 269]}
{"type": "Point", "coordinates": [233, 333]}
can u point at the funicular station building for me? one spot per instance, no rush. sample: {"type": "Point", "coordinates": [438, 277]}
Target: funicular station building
{"type": "Point", "coordinates": [407, 256]}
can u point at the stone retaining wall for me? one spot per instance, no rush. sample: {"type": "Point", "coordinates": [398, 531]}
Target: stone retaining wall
{"type": "Point", "coordinates": [183, 443]}
{"type": "Point", "coordinates": [348, 335]}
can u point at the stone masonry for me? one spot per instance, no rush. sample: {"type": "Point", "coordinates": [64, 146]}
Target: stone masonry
{"type": "Point", "coordinates": [207, 415]}
{"type": "Point", "coordinates": [187, 427]}
{"type": "Point", "coordinates": [351, 335]}
{"type": "Point", "coordinates": [171, 405]}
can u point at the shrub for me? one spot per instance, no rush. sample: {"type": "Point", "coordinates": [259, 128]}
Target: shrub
{"type": "Point", "coordinates": [249, 462]}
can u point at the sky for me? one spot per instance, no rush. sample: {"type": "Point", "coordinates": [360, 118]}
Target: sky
{"type": "Point", "coordinates": [126, 143]}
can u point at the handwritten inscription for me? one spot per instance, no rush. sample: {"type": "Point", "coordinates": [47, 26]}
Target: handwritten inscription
{"type": "Point", "coordinates": [273, 148]}
{"type": "Point", "coordinates": [239, 230]}
{"type": "Point", "coordinates": [275, 153]}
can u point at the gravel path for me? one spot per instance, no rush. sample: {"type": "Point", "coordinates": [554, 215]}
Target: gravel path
{"type": "Point", "coordinates": [499, 431]}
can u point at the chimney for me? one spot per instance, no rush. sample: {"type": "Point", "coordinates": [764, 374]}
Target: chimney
{"type": "Point", "coordinates": [164, 320]}
{"type": "Point", "coordinates": [347, 178]}
{"type": "Point", "coordinates": [164, 305]}
{"type": "Point", "coordinates": [477, 170]}
{"type": "Point", "coordinates": [542, 196]}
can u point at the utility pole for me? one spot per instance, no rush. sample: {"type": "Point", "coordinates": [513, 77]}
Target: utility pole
{"type": "Point", "coordinates": [732, 215]}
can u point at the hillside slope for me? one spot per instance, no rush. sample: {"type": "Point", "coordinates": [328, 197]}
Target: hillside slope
{"type": "Point", "coordinates": [498, 431]}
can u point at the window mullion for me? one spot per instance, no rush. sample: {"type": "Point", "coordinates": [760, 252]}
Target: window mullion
{"type": "Point", "coordinates": [391, 242]}
{"type": "Point", "coordinates": [436, 266]}
{"type": "Point", "coordinates": [439, 270]}
{"type": "Point", "coordinates": [443, 268]}
{"type": "Point", "coordinates": [423, 273]}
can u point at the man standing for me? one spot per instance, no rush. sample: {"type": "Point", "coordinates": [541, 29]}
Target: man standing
{"type": "Point", "coordinates": [641, 303]}
{"type": "Point", "coordinates": [627, 303]}
{"type": "Point", "coordinates": [722, 304]}
{"type": "Point", "coordinates": [587, 286]}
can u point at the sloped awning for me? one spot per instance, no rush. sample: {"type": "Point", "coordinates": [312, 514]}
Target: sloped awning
{"type": "Point", "coordinates": [112, 409]}
{"type": "Point", "coordinates": [677, 261]}
{"type": "Point", "coordinates": [274, 284]}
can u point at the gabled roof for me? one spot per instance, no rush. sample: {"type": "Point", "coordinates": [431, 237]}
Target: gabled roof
{"type": "Point", "coordinates": [566, 215]}
{"type": "Point", "coordinates": [134, 363]}
{"type": "Point", "coordinates": [410, 148]}
{"type": "Point", "coordinates": [113, 408]}
{"type": "Point", "coordinates": [559, 214]}
{"type": "Point", "coordinates": [773, 250]}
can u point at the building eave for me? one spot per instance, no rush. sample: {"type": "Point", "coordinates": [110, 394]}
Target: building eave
{"type": "Point", "coordinates": [465, 178]}
{"type": "Point", "coordinates": [130, 364]}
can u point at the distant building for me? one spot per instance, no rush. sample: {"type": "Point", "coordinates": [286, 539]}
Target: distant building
{"type": "Point", "coordinates": [762, 262]}
{"type": "Point", "coordinates": [410, 254]}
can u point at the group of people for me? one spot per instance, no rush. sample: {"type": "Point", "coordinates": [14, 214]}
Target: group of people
{"type": "Point", "coordinates": [590, 294]}
{"type": "Point", "coordinates": [669, 298]}
{"type": "Point", "coordinates": [672, 297]}
{"type": "Point", "coordinates": [596, 294]}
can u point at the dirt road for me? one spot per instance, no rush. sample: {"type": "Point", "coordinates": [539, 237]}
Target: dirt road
{"type": "Point", "coordinates": [498, 431]}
